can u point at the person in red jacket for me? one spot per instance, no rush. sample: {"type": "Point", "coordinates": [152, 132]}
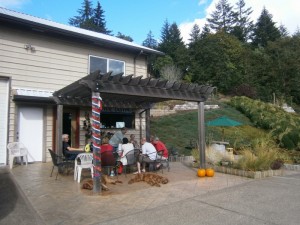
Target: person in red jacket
{"type": "Point", "coordinates": [106, 146]}
{"type": "Point", "coordinates": [160, 147]}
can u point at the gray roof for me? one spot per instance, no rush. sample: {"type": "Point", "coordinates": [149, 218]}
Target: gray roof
{"type": "Point", "coordinates": [13, 17]}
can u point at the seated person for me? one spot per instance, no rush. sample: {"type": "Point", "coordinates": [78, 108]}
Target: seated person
{"type": "Point", "coordinates": [108, 157]}
{"type": "Point", "coordinates": [152, 139]}
{"type": "Point", "coordinates": [148, 155]}
{"type": "Point", "coordinates": [133, 141]}
{"type": "Point", "coordinates": [105, 145]}
{"type": "Point", "coordinates": [68, 151]}
{"type": "Point", "coordinates": [161, 147]}
{"type": "Point", "coordinates": [89, 146]}
{"type": "Point", "coordinates": [125, 148]}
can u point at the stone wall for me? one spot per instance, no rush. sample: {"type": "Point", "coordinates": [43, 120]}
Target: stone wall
{"type": "Point", "coordinates": [161, 112]}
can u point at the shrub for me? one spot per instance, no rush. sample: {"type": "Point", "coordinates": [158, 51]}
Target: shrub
{"type": "Point", "coordinates": [263, 155]}
{"type": "Point", "coordinates": [277, 164]}
{"type": "Point", "coordinates": [283, 125]}
{"type": "Point", "coordinates": [287, 142]}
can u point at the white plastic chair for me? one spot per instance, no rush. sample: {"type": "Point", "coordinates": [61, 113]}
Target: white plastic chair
{"type": "Point", "coordinates": [17, 149]}
{"type": "Point", "coordinates": [86, 162]}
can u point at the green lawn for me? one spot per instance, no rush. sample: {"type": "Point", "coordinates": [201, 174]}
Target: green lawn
{"type": "Point", "coordinates": [180, 130]}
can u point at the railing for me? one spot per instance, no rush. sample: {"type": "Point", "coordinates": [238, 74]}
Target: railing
{"type": "Point", "coordinates": [180, 158]}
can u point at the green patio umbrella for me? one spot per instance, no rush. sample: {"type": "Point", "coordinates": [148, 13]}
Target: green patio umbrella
{"type": "Point", "coordinates": [223, 121]}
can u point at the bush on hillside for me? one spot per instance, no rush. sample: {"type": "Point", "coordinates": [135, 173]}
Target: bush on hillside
{"type": "Point", "coordinates": [282, 125]}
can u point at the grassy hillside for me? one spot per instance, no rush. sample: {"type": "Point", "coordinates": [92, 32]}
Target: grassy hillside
{"type": "Point", "coordinates": [180, 130]}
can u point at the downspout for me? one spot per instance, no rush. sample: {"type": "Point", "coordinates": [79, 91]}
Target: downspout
{"type": "Point", "coordinates": [134, 61]}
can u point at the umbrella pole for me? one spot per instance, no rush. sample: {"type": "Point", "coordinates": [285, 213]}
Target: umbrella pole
{"type": "Point", "coordinates": [223, 132]}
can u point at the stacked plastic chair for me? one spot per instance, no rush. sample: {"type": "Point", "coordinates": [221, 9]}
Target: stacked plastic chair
{"type": "Point", "coordinates": [17, 149]}
{"type": "Point", "coordinates": [86, 162]}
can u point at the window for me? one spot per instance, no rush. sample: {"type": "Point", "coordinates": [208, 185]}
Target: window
{"type": "Point", "coordinates": [105, 65]}
{"type": "Point", "coordinates": [111, 119]}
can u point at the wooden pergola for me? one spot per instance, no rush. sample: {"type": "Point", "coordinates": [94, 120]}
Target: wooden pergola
{"type": "Point", "coordinates": [132, 92]}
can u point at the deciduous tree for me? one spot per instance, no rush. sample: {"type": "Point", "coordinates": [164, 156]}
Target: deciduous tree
{"type": "Point", "coordinates": [216, 60]}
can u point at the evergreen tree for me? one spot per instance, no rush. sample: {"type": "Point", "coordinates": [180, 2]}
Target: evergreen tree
{"type": "Point", "coordinates": [223, 18]}
{"type": "Point", "coordinates": [283, 31]}
{"type": "Point", "coordinates": [165, 33]}
{"type": "Point", "coordinates": [150, 42]}
{"type": "Point", "coordinates": [173, 45]}
{"type": "Point", "coordinates": [175, 35]}
{"type": "Point", "coordinates": [169, 41]}
{"type": "Point", "coordinates": [84, 19]}
{"type": "Point", "coordinates": [89, 18]}
{"type": "Point", "coordinates": [124, 37]}
{"type": "Point", "coordinates": [195, 34]}
{"type": "Point", "coordinates": [205, 31]}
{"type": "Point", "coordinates": [265, 30]}
{"type": "Point", "coordinates": [243, 24]}
{"type": "Point", "coordinates": [99, 20]}
{"type": "Point", "coordinates": [297, 32]}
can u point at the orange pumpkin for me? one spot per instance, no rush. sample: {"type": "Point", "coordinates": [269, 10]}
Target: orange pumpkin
{"type": "Point", "coordinates": [201, 172]}
{"type": "Point", "coordinates": [209, 172]}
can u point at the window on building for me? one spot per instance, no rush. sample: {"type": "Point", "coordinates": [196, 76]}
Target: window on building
{"type": "Point", "coordinates": [105, 65]}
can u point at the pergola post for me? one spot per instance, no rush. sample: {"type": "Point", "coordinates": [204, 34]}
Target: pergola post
{"type": "Point", "coordinates": [96, 136]}
{"type": "Point", "coordinates": [201, 133]}
{"type": "Point", "coordinates": [147, 124]}
{"type": "Point", "coordinates": [59, 130]}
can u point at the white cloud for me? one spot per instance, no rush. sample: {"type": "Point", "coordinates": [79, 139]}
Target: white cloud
{"type": "Point", "coordinates": [202, 2]}
{"type": "Point", "coordinates": [285, 13]}
{"type": "Point", "coordinates": [13, 3]}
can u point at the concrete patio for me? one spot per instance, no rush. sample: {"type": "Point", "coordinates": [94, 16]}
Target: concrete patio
{"type": "Point", "coordinates": [63, 201]}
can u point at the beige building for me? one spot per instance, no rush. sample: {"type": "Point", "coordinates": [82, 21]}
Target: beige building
{"type": "Point", "coordinates": [39, 57]}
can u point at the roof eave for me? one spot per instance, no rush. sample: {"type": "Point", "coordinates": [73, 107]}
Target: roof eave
{"type": "Point", "coordinates": [39, 27]}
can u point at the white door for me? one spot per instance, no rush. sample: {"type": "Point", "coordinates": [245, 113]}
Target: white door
{"type": "Point", "coordinates": [4, 89]}
{"type": "Point", "coordinates": [31, 131]}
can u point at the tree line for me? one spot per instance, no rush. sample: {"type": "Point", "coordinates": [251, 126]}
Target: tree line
{"type": "Point", "coordinates": [231, 52]}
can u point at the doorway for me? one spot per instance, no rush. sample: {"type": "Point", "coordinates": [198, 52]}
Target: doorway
{"type": "Point", "coordinates": [31, 131]}
{"type": "Point", "coordinates": [71, 126]}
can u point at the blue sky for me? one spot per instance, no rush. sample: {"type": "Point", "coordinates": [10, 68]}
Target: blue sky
{"type": "Point", "coordinates": [137, 17]}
